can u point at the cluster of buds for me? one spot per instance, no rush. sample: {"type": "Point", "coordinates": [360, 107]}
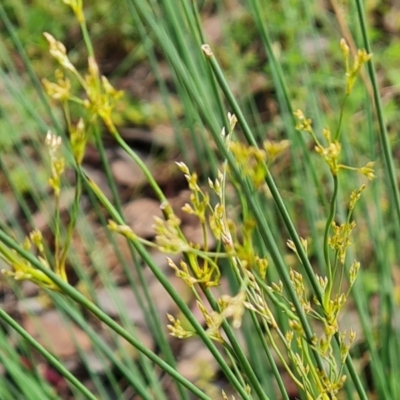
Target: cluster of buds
{"type": "Point", "coordinates": [22, 269]}
{"type": "Point", "coordinates": [57, 162]}
{"type": "Point", "coordinates": [352, 71]}
{"type": "Point", "coordinates": [101, 96]}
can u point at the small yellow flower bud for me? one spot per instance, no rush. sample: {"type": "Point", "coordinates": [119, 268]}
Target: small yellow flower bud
{"type": "Point", "coordinates": [78, 141]}
{"type": "Point", "coordinates": [59, 52]}
{"type": "Point", "coordinates": [77, 8]}
{"type": "Point", "coordinates": [345, 48]}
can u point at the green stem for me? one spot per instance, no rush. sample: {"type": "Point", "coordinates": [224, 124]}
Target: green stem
{"type": "Point", "coordinates": [268, 353]}
{"type": "Point", "coordinates": [150, 178]}
{"type": "Point", "coordinates": [74, 294]}
{"type": "Point", "coordinates": [264, 230]}
{"type": "Point", "coordinates": [270, 182]}
{"type": "Point", "coordinates": [46, 354]}
{"type": "Point", "coordinates": [86, 39]}
{"type": "Point", "coordinates": [71, 225]}
{"type": "Point", "coordinates": [57, 234]}
{"type": "Point", "coordinates": [131, 376]}
{"type": "Point", "coordinates": [385, 141]}
{"type": "Point", "coordinates": [238, 351]}
{"type": "Point", "coordinates": [171, 291]}
{"type": "Point", "coordinates": [339, 127]}
{"type": "Point", "coordinates": [139, 286]}
{"type": "Point", "coordinates": [393, 188]}
{"type": "Point", "coordinates": [28, 65]}
{"type": "Point", "coordinates": [328, 226]}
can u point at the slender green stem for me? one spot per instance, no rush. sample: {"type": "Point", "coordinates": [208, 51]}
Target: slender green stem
{"type": "Point", "coordinates": [150, 178]}
{"type": "Point", "coordinates": [259, 215]}
{"type": "Point", "coordinates": [171, 291]}
{"type": "Point", "coordinates": [47, 355]}
{"type": "Point", "coordinates": [87, 304]}
{"type": "Point", "coordinates": [339, 127]}
{"type": "Point", "coordinates": [270, 182]}
{"type": "Point", "coordinates": [28, 65]}
{"type": "Point", "coordinates": [72, 223]}
{"type": "Point", "coordinates": [328, 226]}
{"type": "Point", "coordinates": [238, 351]}
{"type": "Point", "coordinates": [86, 39]}
{"type": "Point", "coordinates": [262, 223]}
{"type": "Point", "coordinates": [268, 353]}
{"type": "Point", "coordinates": [131, 376]}
{"type": "Point", "coordinates": [57, 233]}
{"type": "Point", "coordinates": [393, 185]}
{"type": "Point", "coordinates": [259, 13]}
{"type": "Point", "coordinates": [393, 188]}
{"type": "Point", "coordinates": [140, 288]}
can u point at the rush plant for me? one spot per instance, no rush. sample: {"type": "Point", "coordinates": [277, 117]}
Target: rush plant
{"type": "Point", "coordinates": [267, 317]}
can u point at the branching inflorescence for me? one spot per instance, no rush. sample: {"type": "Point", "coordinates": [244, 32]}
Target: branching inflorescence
{"type": "Point", "coordinates": [266, 302]}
